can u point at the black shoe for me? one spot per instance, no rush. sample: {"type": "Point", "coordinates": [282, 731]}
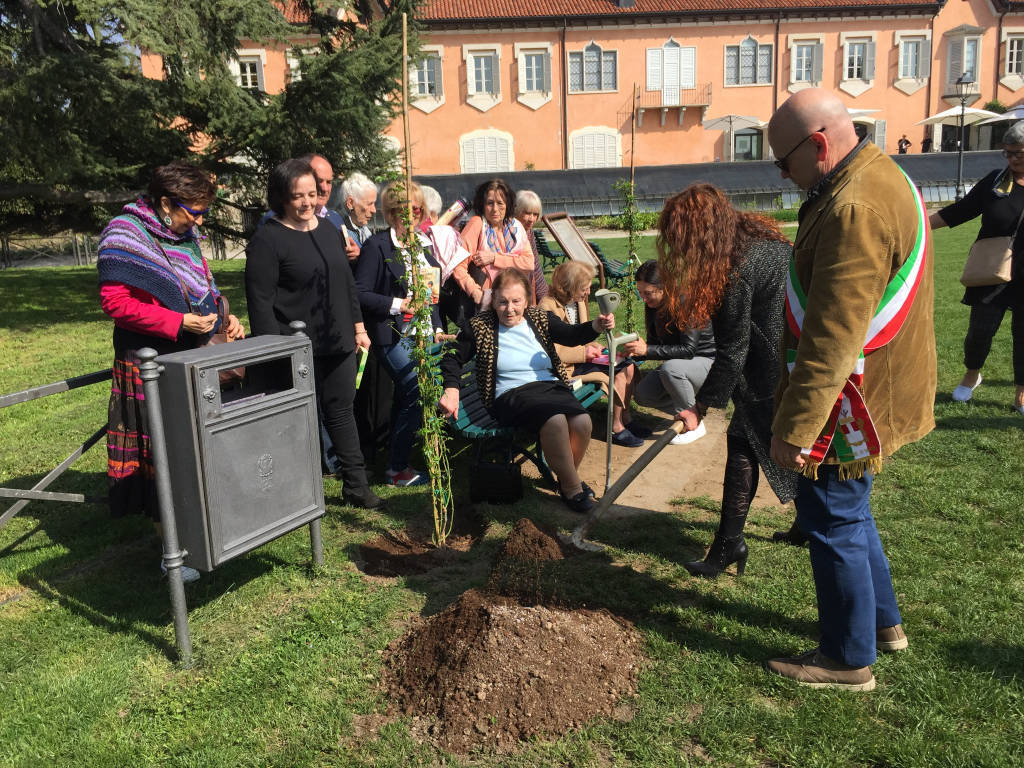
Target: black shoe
{"type": "Point", "coordinates": [588, 490]}
{"type": "Point", "coordinates": [722, 554]}
{"type": "Point", "coordinates": [627, 439]}
{"type": "Point", "coordinates": [640, 430]}
{"type": "Point", "coordinates": [793, 536]}
{"type": "Point", "coordinates": [582, 502]}
{"type": "Point", "coordinates": [364, 498]}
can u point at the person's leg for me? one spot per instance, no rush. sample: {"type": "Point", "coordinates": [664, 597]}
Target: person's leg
{"type": "Point", "coordinates": [556, 440]}
{"type": "Point", "coordinates": [623, 397]}
{"type": "Point", "coordinates": [738, 489]}
{"type": "Point", "coordinates": [397, 362]}
{"type": "Point", "coordinates": [1017, 331]}
{"type": "Point", "coordinates": [336, 385]}
{"type": "Point", "coordinates": [650, 392]}
{"type": "Point", "coordinates": [981, 328]}
{"type": "Point", "coordinates": [682, 380]}
{"type": "Point", "coordinates": [851, 575]}
{"type": "Point", "coordinates": [580, 428]}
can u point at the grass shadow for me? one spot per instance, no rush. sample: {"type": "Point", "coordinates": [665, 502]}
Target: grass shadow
{"type": "Point", "coordinates": [1002, 661]}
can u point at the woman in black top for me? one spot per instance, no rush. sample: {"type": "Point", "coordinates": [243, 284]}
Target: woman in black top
{"type": "Point", "coordinates": [999, 199]}
{"type": "Point", "coordinates": [296, 269]}
{"type": "Point", "coordinates": [729, 266]}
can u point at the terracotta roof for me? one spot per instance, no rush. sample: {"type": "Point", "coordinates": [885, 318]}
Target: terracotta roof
{"type": "Point", "coordinates": [462, 10]}
{"type": "Point", "coordinates": [294, 12]}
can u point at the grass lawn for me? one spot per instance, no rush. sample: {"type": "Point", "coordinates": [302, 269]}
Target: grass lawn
{"type": "Point", "coordinates": [288, 663]}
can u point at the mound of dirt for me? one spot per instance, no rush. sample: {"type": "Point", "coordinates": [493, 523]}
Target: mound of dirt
{"type": "Point", "coordinates": [493, 669]}
{"type": "Point", "coordinates": [411, 551]}
{"type": "Point", "coordinates": [488, 672]}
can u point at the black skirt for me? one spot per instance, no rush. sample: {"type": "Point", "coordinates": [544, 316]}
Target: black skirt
{"type": "Point", "coordinates": [530, 405]}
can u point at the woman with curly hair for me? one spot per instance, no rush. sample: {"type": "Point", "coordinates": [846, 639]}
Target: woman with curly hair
{"type": "Point", "coordinates": [728, 267]}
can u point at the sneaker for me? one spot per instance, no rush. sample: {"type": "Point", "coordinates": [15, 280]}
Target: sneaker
{"type": "Point", "coordinates": [686, 438]}
{"type": "Point", "coordinates": [406, 477]}
{"type": "Point", "coordinates": [582, 502]}
{"type": "Point", "coordinates": [188, 575]}
{"type": "Point", "coordinates": [816, 670]}
{"type": "Point", "coordinates": [962, 394]}
{"type": "Point", "coordinates": [890, 639]}
{"type": "Point", "coordinates": [626, 438]}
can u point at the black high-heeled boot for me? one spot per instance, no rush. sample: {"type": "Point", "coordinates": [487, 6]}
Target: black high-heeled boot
{"type": "Point", "coordinates": [723, 553]}
{"type": "Point", "coordinates": [738, 489]}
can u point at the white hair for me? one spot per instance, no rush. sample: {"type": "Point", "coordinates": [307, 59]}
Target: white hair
{"type": "Point", "coordinates": [356, 184]}
{"type": "Point", "coordinates": [527, 199]}
{"type": "Point", "coordinates": [432, 199]}
{"type": "Point", "coordinates": [1015, 134]}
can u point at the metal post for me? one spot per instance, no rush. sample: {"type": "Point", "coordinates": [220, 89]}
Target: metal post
{"type": "Point", "coordinates": [316, 542]}
{"type": "Point", "coordinates": [173, 556]}
{"type": "Point", "coordinates": [960, 151]}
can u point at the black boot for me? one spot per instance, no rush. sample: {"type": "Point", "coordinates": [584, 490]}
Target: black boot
{"type": "Point", "coordinates": [362, 497]}
{"type": "Point", "coordinates": [738, 489]}
{"type": "Point", "coordinates": [793, 536]}
{"type": "Point", "coordinates": [723, 553]}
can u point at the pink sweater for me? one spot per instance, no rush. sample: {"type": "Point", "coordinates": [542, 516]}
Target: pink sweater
{"type": "Point", "coordinates": [135, 310]}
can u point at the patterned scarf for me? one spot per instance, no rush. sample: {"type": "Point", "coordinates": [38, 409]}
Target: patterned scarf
{"type": "Point", "coordinates": [129, 254]}
{"type": "Point", "coordinates": [508, 237]}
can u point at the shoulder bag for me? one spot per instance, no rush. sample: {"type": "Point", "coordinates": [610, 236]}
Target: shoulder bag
{"type": "Point", "coordinates": [990, 259]}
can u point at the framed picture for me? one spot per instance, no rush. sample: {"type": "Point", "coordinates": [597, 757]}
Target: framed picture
{"type": "Point", "coordinates": [563, 229]}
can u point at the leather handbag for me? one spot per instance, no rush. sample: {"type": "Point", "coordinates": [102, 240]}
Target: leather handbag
{"type": "Point", "coordinates": [495, 482]}
{"type": "Point", "coordinates": [990, 260]}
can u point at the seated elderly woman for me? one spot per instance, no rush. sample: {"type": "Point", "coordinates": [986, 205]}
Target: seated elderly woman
{"type": "Point", "coordinates": [570, 290]}
{"type": "Point", "coordinates": [521, 380]}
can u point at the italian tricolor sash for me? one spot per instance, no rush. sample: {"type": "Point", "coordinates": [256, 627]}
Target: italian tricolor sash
{"type": "Point", "coordinates": [849, 430]}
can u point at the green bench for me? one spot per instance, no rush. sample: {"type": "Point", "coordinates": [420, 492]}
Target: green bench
{"type": "Point", "coordinates": [491, 439]}
{"type": "Point", "coordinates": [551, 257]}
{"type": "Point", "coordinates": [614, 271]}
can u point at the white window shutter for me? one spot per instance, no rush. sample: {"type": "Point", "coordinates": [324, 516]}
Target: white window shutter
{"type": "Point", "coordinates": [469, 156]}
{"type": "Point", "coordinates": [547, 71]}
{"type": "Point", "coordinates": [869, 60]}
{"type": "Point", "coordinates": [577, 152]}
{"type": "Point", "coordinates": [880, 134]}
{"type": "Point", "coordinates": [670, 76]}
{"type": "Point", "coordinates": [818, 63]}
{"type": "Point", "coordinates": [654, 69]}
{"type": "Point", "coordinates": [438, 76]}
{"type": "Point", "coordinates": [688, 68]}
{"type": "Point", "coordinates": [956, 60]}
{"type": "Point", "coordinates": [926, 59]}
{"type": "Point", "coordinates": [521, 68]}
{"type": "Point", "coordinates": [235, 71]}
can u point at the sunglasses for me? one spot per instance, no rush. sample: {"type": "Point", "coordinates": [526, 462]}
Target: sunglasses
{"type": "Point", "coordinates": [783, 162]}
{"type": "Point", "coordinates": [194, 213]}
{"type": "Point", "coordinates": [1013, 154]}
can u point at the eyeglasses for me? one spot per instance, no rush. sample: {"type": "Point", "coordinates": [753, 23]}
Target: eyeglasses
{"type": "Point", "coordinates": [194, 213]}
{"type": "Point", "coordinates": [783, 162]}
{"type": "Point", "coordinates": [1013, 154]}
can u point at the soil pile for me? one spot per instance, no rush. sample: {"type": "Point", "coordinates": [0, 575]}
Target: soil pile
{"type": "Point", "coordinates": [411, 550]}
{"type": "Point", "coordinates": [527, 566]}
{"type": "Point", "coordinates": [489, 671]}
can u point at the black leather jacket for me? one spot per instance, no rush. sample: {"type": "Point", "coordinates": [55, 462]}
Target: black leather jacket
{"type": "Point", "coordinates": [672, 344]}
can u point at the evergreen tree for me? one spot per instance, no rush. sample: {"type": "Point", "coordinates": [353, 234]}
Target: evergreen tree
{"type": "Point", "coordinates": [78, 114]}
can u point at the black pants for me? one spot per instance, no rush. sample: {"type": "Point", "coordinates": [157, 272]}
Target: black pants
{"type": "Point", "coordinates": [336, 389]}
{"type": "Point", "coordinates": [738, 487]}
{"type": "Point", "coordinates": [985, 321]}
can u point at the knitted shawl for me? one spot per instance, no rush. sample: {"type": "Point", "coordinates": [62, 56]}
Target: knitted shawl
{"type": "Point", "coordinates": [485, 333]}
{"type": "Point", "coordinates": [129, 254]}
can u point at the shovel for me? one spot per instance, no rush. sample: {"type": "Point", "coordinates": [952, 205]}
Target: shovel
{"type": "Point", "coordinates": [608, 302]}
{"type": "Point", "coordinates": [577, 539]}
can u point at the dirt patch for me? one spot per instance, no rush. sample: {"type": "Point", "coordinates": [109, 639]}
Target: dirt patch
{"type": "Point", "coordinates": [411, 551]}
{"type": "Point", "coordinates": [491, 670]}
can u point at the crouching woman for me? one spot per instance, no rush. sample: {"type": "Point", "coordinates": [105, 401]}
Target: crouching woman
{"type": "Point", "coordinates": [521, 380]}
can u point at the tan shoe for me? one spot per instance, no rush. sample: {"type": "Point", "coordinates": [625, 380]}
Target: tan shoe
{"type": "Point", "coordinates": [890, 639]}
{"type": "Point", "coordinates": [816, 670]}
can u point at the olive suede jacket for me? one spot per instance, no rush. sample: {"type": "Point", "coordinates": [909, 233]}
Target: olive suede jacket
{"type": "Point", "coordinates": [852, 239]}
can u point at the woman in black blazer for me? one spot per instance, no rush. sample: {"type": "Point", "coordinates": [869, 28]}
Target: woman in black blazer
{"type": "Point", "coordinates": [296, 269]}
{"type": "Point", "coordinates": [384, 296]}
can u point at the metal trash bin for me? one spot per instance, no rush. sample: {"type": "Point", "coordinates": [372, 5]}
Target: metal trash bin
{"type": "Point", "coordinates": [243, 463]}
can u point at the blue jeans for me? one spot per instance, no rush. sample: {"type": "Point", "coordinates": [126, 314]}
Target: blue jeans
{"type": "Point", "coordinates": [851, 572]}
{"type": "Point", "coordinates": [405, 412]}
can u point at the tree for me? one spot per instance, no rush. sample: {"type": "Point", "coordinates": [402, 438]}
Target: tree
{"type": "Point", "coordinates": [80, 115]}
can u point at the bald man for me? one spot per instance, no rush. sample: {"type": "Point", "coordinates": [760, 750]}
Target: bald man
{"type": "Point", "coordinates": [860, 378]}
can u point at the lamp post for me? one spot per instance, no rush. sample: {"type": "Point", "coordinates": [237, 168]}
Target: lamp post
{"type": "Point", "coordinates": [963, 88]}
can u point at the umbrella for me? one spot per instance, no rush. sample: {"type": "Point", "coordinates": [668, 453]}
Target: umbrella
{"type": "Point", "coordinates": [951, 116]}
{"type": "Point", "coordinates": [860, 113]}
{"type": "Point", "coordinates": [732, 123]}
{"type": "Point", "coordinates": [1014, 113]}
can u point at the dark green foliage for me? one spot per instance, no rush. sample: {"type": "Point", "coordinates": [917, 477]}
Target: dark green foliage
{"type": "Point", "coordinates": [79, 115]}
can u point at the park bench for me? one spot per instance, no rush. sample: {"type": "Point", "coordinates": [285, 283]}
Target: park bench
{"type": "Point", "coordinates": [615, 271]}
{"type": "Point", "coordinates": [489, 438]}
{"type": "Point", "coordinates": [552, 258]}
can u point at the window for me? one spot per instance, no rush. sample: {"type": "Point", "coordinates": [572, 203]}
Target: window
{"type": "Point", "coordinates": [962, 57]}
{"type": "Point", "coordinates": [426, 77]}
{"type": "Point", "coordinates": [915, 56]}
{"type": "Point", "coordinates": [593, 69]}
{"type": "Point", "coordinates": [1015, 56]}
{"type": "Point", "coordinates": [247, 69]}
{"type": "Point", "coordinates": [806, 60]}
{"type": "Point", "coordinates": [803, 63]}
{"type": "Point", "coordinates": [487, 151]}
{"type": "Point", "coordinates": [748, 63]}
{"type": "Point", "coordinates": [671, 69]}
{"type": "Point", "coordinates": [483, 79]}
{"type": "Point", "coordinates": [860, 60]}
{"type": "Point", "coordinates": [599, 147]}
{"type": "Point", "coordinates": [534, 67]}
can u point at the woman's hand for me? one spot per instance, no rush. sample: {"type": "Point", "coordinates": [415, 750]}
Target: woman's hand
{"type": "Point", "coordinates": [591, 351]}
{"type": "Point", "coordinates": [235, 331]}
{"type": "Point", "coordinates": [362, 340]}
{"type": "Point", "coordinates": [449, 402]}
{"type": "Point", "coordinates": [483, 258]}
{"type": "Point", "coordinates": [198, 324]}
{"type": "Point", "coordinates": [636, 348]}
{"type": "Point", "coordinates": [603, 323]}
{"type": "Point", "coordinates": [441, 337]}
